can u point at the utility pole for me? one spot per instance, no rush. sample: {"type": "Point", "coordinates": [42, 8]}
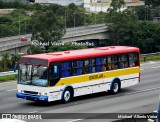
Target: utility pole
{"type": "Point", "coordinates": [74, 20]}
{"type": "Point", "coordinates": [19, 26]}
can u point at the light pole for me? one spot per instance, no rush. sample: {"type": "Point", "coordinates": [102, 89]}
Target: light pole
{"type": "Point", "coordinates": [146, 16]}
{"type": "Point", "coordinates": [95, 19]}
{"type": "Point", "coordinates": [65, 19]}
{"type": "Point", "coordinates": [25, 27]}
{"type": "Point", "coordinates": [19, 26]}
{"type": "Point", "coordinates": [95, 15]}
{"type": "Point", "coordinates": [74, 20]}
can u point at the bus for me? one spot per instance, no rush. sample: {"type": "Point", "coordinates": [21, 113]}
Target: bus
{"type": "Point", "coordinates": [68, 74]}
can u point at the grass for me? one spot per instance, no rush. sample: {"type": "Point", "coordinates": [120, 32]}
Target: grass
{"type": "Point", "coordinates": [8, 77]}
{"type": "Point", "coordinates": [150, 58]}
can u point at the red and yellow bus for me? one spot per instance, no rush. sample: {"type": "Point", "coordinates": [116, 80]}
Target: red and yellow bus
{"type": "Point", "coordinates": [67, 74]}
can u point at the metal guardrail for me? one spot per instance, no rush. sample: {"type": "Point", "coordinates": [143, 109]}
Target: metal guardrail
{"type": "Point", "coordinates": [14, 42]}
{"type": "Point", "coordinates": [8, 73]}
{"type": "Point", "coordinates": [144, 56]}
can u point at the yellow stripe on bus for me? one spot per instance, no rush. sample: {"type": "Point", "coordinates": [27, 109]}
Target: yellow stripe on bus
{"type": "Point", "coordinates": [97, 76]}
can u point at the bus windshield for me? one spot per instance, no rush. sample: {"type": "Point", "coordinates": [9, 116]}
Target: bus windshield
{"type": "Point", "coordinates": [33, 75]}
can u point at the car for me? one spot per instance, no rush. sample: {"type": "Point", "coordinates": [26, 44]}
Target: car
{"type": "Point", "coordinates": [23, 38]}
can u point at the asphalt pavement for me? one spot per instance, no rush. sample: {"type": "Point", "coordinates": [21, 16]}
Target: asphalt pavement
{"type": "Point", "coordinates": [141, 98]}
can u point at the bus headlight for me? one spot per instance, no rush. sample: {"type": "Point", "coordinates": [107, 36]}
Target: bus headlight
{"type": "Point", "coordinates": [39, 93]}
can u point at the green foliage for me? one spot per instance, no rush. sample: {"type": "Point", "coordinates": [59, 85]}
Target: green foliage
{"type": "Point", "coordinates": [116, 5]}
{"type": "Point", "coordinates": [152, 2]}
{"type": "Point", "coordinates": [47, 27]}
{"type": "Point", "coordinates": [34, 50]}
{"type": "Point", "coordinates": [15, 58]}
{"type": "Point", "coordinates": [150, 58]}
{"type": "Point", "coordinates": [7, 78]}
{"type": "Point", "coordinates": [8, 61]}
{"type": "Point", "coordinates": [65, 47]}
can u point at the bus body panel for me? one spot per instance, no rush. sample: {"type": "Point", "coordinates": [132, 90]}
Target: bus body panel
{"type": "Point", "coordinates": [82, 85]}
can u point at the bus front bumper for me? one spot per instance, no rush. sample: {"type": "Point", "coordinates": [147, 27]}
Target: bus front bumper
{"type": "Point", "coordinates": [30, 97]}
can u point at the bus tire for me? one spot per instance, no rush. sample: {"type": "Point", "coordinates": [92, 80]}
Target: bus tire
{"type": "Point", "coordinates": [115, 88]}
{"type": "Point", "coordinates": [67, 95]}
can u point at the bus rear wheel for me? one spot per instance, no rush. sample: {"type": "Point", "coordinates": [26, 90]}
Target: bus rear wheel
{"type": "Point", "coordinates": [67, 95]}
{"type": "Point", "coordinates": [115, 87]}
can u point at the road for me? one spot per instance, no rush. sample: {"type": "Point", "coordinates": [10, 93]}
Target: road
{"type": "Point", "coordinates": [140, 98]}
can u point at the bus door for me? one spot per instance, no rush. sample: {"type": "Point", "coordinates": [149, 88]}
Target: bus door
{"type": "Point", "coordinates": [54, 73]}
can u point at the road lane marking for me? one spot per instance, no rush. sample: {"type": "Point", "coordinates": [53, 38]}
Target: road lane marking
{"type": "Point", "coordinates": [151, 62]}
{"type": "Point", "coordinates": [150, 68]}
{"type": "Point", "coordinates": [142, 91]}
{"type": "Point", "coordinates": [33, 112]}
{"type": "Point", "coordinates": [75, 120]}
{"type": "Point", "coordinates": [11, 90]}
{"type": "Point", "coordinates": [155, 67]}
{"type": "Point", "coordinates": [7, 82]}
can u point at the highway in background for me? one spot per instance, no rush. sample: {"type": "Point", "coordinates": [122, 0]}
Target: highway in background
{"type": "Point", "coordinates": [140, 98]}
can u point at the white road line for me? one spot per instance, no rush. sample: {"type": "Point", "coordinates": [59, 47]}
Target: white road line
{"type": "Point", "coordinates": [155, 67]}
{"type": "Point", "coordinates": [151, 68]}
{"type": "Point", "coordinates": [33, 112]}
{"type": "Point", "coordinates": [11, 90]}
{"type": "Point", "coordinates": [75, 120]}
{"type": "Point", "coordinates": [142, 91]}
{"type": "Point", "coordinates": [7, 82]}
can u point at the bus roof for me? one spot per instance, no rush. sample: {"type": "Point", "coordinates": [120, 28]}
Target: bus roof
{"type": "Point", "coordinates": [83, 53]}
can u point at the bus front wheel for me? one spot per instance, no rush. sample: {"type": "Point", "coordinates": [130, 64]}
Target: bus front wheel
{"type": "Point", "coordinates": [67, 95]}
{"type": "Point", "coordinates": [115, 88]}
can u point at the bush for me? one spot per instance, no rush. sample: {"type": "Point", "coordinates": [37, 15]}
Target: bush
{"type": "Point", "coordinates": [7, 78]}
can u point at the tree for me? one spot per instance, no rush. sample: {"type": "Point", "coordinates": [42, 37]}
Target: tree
{"type": "Point", "coordinates": [5, 61]}
{"type": "Point", "coordinates": [121, 27]}
{"type": "Point", "coordinates": [65, 47]}
{"type": "Point", "coordinates": [14, 58]}
{"type": "Point", "coordinates": [34, 50]}
{"type": "Point", "coordinates": [47, 28]}
{"type": "Point", "coordinates": [116, 5]}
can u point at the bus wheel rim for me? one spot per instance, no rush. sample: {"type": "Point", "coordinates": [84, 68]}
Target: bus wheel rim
{"type": "Point", "coordinates": [115, 87]}
{"type": "Point", "coordinates": [67, 96]}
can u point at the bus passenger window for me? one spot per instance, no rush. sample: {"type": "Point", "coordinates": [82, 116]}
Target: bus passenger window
{"type": "Point", "coordinates": [104, 67]}
{"type": "Point", "coordinates": [85, 68]}
{"type": "Point", "coordinates": [133, 59]}
{"type": "Point", "coordinates": [109, 67]}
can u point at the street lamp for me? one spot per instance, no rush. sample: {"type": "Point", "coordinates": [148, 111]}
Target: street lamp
{"type": "Point", "coordinates": [65, 19]}
{"type": "Point", "coordinates": [74, 19]}
{"type": "Point", "coordinates": [19, 26]}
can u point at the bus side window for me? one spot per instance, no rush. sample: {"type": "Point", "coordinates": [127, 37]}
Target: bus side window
{"type": "Point", "coordinates": [85, 68]}
{"type": "Point", "coordinates": [133, 59]}
{"type": "Point", "coordinates": [122, 61]}
{"type": "Point", "coordinates": [114, 62]}
{"type": "Point", "coordinates": [66, 69]}
{"type": "Point", "coordinates": [98, 65]}
{"type": "Point", "coordinates": [79, 67]}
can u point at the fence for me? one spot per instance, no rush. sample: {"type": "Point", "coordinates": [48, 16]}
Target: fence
{"type": "Point", "coordinates": [144, 56]}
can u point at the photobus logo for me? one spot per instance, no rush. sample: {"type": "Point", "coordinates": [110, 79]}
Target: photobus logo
{"type": "Point", "coordinates": [37, 43]}
{"type": "Point", "coordinates": [6, 116]}
{"type": "Point", "coordinates": [21, 116]}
